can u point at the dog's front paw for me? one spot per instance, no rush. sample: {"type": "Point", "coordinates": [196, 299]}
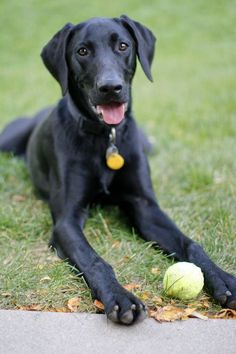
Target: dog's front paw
{"type": "Point", "coordinates": [123, 307]}
{"type": "Point", "coordinates": [222, 286]}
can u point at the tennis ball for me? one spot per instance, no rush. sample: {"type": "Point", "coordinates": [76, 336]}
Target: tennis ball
{"type": "Point", "coordinates": [183, 280]}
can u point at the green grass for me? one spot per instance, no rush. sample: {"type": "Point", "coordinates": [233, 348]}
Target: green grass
{"type": "Point", "coordinates": [189, 114]}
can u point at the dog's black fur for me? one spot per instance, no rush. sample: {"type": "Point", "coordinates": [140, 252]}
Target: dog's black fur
{"type": "Point", "coordinates": [65, 147]}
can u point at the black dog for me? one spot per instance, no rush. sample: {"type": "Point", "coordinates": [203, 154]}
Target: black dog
{"type": "Point", "coordinates": [88, 149]}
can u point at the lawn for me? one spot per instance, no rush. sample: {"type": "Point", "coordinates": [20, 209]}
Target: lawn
{"type": "Point", "coordinates": [189, 113]}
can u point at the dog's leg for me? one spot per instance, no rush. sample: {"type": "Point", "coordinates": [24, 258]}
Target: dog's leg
{"type": "Point", "coordinates": [68, 238]}
{"type": "Point", "coordinates": [139, 203]}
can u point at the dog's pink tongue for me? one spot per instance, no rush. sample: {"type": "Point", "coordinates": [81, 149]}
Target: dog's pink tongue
{"type": "Point", "coordinates": [112, 113]}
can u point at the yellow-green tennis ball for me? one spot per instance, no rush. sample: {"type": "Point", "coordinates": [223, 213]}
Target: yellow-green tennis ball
{"type": "Point", "coordinates": [183, 280]}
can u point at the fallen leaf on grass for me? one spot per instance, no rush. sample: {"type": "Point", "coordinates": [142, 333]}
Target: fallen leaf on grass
{"type": "Point", "coordinates": [225, 314]}
{"type": "Point", "coordinates": [171, 313]}
{"type": "Point", "coordinates": [205, 304]}
{"type": "Point", "coordinates": [145, 295]}
{"type": "Point", "coordinates": [173, 302]}
{"type": "Point", "coordinates": [196, 314]}
{"type": "Point", "coordinates": [37, 307]}
{"type": "Point", "coordinates": [116, 244]}
{"type": "Point", "coordinates": [157, 300]}
{"type": "Point", "coordinates": [33, 307]}
{"type": "Point", "coordinates": [59, 309]}
{"type": "Point", "coordinates": [155, 270]}
{"type": "Point", "coordinates": [131, 286]}
{"type": "Point", "coordinates": [99, 305]}
{"type": "Point", "coordinates": [73, 304]}
{"type": "Point", "coordinates": [45, 279]}
{"type": "Point", "coordinates": [199, 304]}
{"type": "Point", "coordinates": [6, 294]}
{"type": "Point", "coordinates": [19, 198]}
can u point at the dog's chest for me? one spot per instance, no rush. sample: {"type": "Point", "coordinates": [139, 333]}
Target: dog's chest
{"type": "Point", "coordinates": [105, 181]}
{"type": "Point", "coordinates": [96, 164]}
{"type": "Point", "coordinates": [101, 172]}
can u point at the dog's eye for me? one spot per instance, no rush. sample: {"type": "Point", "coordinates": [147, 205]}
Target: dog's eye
{"type": "Point", "coordinates": [123, 46]}
{"type": "Point", "coordinates": [82, 52]}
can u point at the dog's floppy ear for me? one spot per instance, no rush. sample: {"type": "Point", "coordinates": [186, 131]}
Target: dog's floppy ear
{"type": "Point", "coordinates": [145, 43]}
{"type": "Point", "coordinates": [54, 56]}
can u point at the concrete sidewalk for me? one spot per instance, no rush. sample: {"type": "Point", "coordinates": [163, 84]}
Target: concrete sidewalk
{"type": "Point", "coordinates": [68, 333]}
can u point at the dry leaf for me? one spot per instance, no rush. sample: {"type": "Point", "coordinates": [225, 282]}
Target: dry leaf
{"type": "Point", "coordinates": [99, 305]}
{"type": "Point", "coordinates": [226, 314]}
{"type": "Point", "coordinates": [196, 314]}
{"type": "Point", "coordinates": [145, 295]}
{"type": "Point", "coordinates": [6, 294]}
{"type": "Point", "coordinates": [155, 270]}
{"type": "Point", "coordinates": [205, 304]}
{"type": "Point", "coordinates": [46, 278]}
{"type": "Point", "coordinates": [19, 198]}
{"type": "Point", "coordinates": [73, 304]}
{"type": "Point", "coordinates": [131, 286]}
{"type": "Point", "coordinates": [116, 244]}
{"type": "Point", "coordinates": [200, 304]}
{"type": "Point", "coordinates": [55, 309]}
{"type": "Point", "coordinates": [40, 266]}
{"type": "Point", "coordinates": [33, 307]}
{"type": "Point", "coordinates": [59, 309]}
{"type": "Point", "coordinates": [173, 302]}
{"type": "Point", "coordinates": [194, 304]}
{"type": "Point", "coordinates": [157, 300]}
{"type": "Point", "coordinates": [171, 313]}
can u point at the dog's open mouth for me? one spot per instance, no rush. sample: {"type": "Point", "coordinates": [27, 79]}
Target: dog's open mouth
{"type": "Point", "coordinates": [112, 113]}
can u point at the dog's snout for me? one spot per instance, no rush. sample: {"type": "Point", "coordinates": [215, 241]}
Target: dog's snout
{"type": "Point", "coordinates": [110, 86]}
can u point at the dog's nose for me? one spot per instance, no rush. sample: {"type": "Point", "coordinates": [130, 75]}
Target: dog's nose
{"type": "Point", "coordinates": [110, 87]}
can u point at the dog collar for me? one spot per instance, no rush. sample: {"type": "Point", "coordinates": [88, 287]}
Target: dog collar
{"type": "Point", "coordinates": [86, 125]}
{"type": "Point", "coordinates": [113, 159]}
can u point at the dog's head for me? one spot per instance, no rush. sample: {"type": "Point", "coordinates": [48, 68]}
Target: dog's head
{"type": "Point", "coordinates": [95, 61]}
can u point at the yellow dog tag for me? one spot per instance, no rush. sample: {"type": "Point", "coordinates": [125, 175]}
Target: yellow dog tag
{"type": "Point", "coordinates": [114, 160]}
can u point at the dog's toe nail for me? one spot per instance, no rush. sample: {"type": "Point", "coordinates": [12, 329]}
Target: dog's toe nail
{"type": "Point", "coordinates": [113, 316]}
{"type": "Point", "coordinates": [228, 293]}
{"type": "Point", "coordinates": [222, 299]}
{"type": "Point", "coordinates": [127, 317]}
{"type": "Point", "coordinates": [133, 307]}
{"type": "Point", "coordinates": [232, 304]}
{"type": "Point", "coordinates": [142, 315]}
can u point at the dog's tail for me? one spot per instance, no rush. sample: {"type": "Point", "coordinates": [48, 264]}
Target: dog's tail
{"type": "Point", "coordinates": [15, 136]}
